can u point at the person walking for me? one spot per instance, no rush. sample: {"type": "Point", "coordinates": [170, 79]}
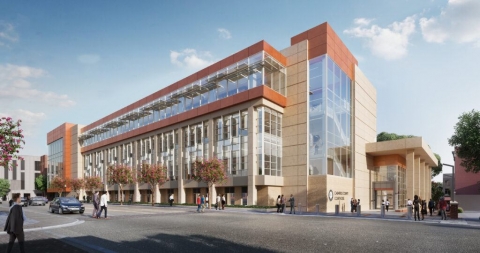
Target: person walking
{"type": "Point", "coordinates": [223, 201]}
{"type": "Point", "coordinates": [202, 201]}
{"type": "Point", "coordinates": [424, 209]}
{"type": "Point", "coordinates": [387, 204]}
{"type": "Point", "coordinates": [292, 204]}
{"type": "Point", "coordinates": [207, 204]}
{"type": "Point", "coordinates": [199, 203]}
{"type": "Point", "coordinates": [96, 200]}
{"type": "Point", "coordinates": [351, 205]}
{"type": "Point", "coordinates": [443, 208]}
{"type": "Point", "coordinates": [14, 224]}
{"type": "Point", "coordinates": [103, 205]}
{"type": "Point", "coordinates": [416, 207]}
{"type": "Point", "coordinates": [283, 204]}
{"type": "Point", "coordinates": [219, 201]}
{"type": "Point", "coordinates": [279, 203]}
{"type": "Point", "coordinates": [170, 199]}
{"type": "Point", "coordinates": [431, 205]}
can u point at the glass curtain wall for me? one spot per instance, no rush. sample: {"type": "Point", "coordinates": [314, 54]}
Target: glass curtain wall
{"type": "Point", "coordinates": [55, 159]}
{"type": "Point", "coordinates": [269, 142]}
{"type": "Point", "coordinates": [256, 70]}
{"type": "Point", "coordinates": [395, 176]}
{"type": "Point", "coordinates": [329, 141]}
{"type": "Point", "coordinates": [195, 146]}
{"type": "Point", "coordinates": [231, 142]}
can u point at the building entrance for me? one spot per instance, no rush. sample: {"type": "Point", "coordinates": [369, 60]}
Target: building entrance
{"type": "Point", "coordinates": [383, 195]}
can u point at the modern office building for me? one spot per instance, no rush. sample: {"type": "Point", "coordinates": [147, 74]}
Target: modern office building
{"type": "Point", "coordinates": [301, 121]}
{"type": "Point", "coordinates": [22, 175]}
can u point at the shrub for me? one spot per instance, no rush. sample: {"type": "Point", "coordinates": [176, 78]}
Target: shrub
{"type": "Point", "coordinates": [460, 210]}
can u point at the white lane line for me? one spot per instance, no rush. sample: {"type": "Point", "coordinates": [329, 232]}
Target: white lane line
{"type": "Point", "coordinates": [76, 222]}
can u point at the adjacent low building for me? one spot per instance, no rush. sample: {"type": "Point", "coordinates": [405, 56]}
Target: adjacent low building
{"type": "Point", "coordinates": [22, 175]}
{"type": "Point", "coordinates": [300, 120]}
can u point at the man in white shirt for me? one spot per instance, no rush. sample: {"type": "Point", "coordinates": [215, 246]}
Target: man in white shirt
{"type": "Point", "coordinates": [170, 199]}
{"type": "Point", "coordinates": [387, 204]}
{"type": "Point", "coordinates": [103, 205]}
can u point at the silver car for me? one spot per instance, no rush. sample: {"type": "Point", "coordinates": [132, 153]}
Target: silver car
{"type": "Point", "coordinates": [37, 201]}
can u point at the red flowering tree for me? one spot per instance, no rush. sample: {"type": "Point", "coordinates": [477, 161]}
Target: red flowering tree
{"type": "Point", "coordinates": [11, 140]}
{"type": "Point", "coordinates": [92, 183]}
{"type": "Point", "coordinates": [77, 184]}
{"type": "Point", "coordinates": [58, 184]}
{"type": "Point", "coordinates": [153, 174]}
{"type": "Point", "coordinates": [120, 174]}
{"type": "Point", "coordinates": [210, 171]}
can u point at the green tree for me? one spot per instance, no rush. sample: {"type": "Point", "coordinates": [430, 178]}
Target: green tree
{"type": "Point", "coordinates": [384, 136]}
{"type": "Point", "coordinates": [437, 191]}
{"type": "Point", "coordinates": [41, 183]}
{"type": "Point", "coordinates": [466, 140]}
{"type": "Point", "coordinates": [4, 187]}
{"type": "Point", "coordinates": [11, 140]}
{"type": "Point", "coordinates": [152, 174]}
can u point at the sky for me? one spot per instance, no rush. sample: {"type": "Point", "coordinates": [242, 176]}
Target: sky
{"type": "Point", "coordinates": [78, 61]}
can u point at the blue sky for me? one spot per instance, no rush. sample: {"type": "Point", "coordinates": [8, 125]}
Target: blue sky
{"type": "Point", "coordinates": [77, 61]}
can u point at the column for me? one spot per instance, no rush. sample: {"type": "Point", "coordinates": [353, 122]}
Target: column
{"type": "Point", "coordinates": [416, 186]}
{"type": "Point", "coordinates": [211, 130]}
{"type": "Point", "coordinates": [134, 163]}
{"type": "Point", "coordinates": [410, 182]}
{"type": "Point", "coordinates": [422, 179]}
{"type": "Point", "coordinates": [153, 147]}
{"type": "Point", "coordinates": [180, 177]}
{"type": "Point", "coordinates": [157, 194]}
{"type": "Point", "coordinates": [252, 156]}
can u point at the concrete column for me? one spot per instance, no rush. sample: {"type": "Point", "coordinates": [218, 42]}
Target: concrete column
{"type": "Point", "coordinates": [181, 198]}
{"type": "Point", "coordinates": [157, 194]}
{"type": "Point", "coordinates": [252, 156]}
{"type": "Point", "coordinates": [422, 192]}
{"type": "Point", "coordinates": [410, 157]}
{"type": "Point", "coordinates": [416, 178]}
{"type": "Point", "coordinates": [154, 146]}
{"type": "Point", "coordinates": [134, 162]}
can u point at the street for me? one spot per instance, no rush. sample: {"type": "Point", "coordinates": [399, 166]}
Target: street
{"type": "Point", "coordinates": [181, 229]}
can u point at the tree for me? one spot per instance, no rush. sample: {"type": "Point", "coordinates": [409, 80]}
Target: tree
{"type": "Point", "coordinates": [77, 184]}
{"type": "Point", "coordinates": [384, 136]}
{"type": "Point", "coordinates": [153, 174]}
{"type": "Point", "coordinates": [210, 171]}
{"type": "Point", "coordinates": [11, 140]}
{"type": "Point", "coordinates": [92, 183]}
{"type": "Point", "coordinates": [41, 183]}
{"type": "Point", "coordinates": [4, 187]}
{"type": "Point", "coordinates": [120, 174]}
{"type": "Point", "coordinates": [466, 140]}
{"type": "Point", "coordinates": [58, 184]}
{"type": "Point", "coordinates": [437, 191]}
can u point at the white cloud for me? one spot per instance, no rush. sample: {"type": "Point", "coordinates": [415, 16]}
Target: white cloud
{"type": "Point", "coordinates": [88, 58]}
{"type": "Point", "coordinates": [390, 43]}
{"type": "Point", "coordinates": [190, 58]}
{"type": "Point", "coordinates": [7, 34]}
{"type": "Point", "coordinates": [224, 33]}
{"type": "Point", "coordinates": [459, 22]}
{"type": "Point", "coordinates": [30, 120]}
{"type": "Point", "coordinates": [14, 84]}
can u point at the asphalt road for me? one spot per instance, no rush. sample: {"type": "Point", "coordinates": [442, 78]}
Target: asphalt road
{"type": "Point", "coordinates": [165, 229]}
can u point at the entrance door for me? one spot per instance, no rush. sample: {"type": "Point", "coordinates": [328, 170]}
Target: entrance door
{"type": "Point", "coordinates": [383, 195]}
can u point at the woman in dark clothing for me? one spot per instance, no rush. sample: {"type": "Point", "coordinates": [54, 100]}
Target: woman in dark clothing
{"type": "Point", "coordinates": [14, 224]}
{"type": "Point", "coordinates": [278, 203]}
{"type": "Point", "coordinates": [424, 209]}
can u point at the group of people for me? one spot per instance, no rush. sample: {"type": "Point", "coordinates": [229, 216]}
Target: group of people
{"type": "Point", "coordinates": [281, 202]}
{"type": "Point", "coordinates": [202, 202]}
{"type": "Point", "coordinates": [354, 204]}
{"type": "Point", "coordinates": [386, 203]}
{"type": "Point", "coordinates": [419, 206]}
{"type": "Point", "coordinates": [100, 203]}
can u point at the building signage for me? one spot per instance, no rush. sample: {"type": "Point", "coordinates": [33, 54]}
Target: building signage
{"type": "Point", "coordinates": [338, 195]}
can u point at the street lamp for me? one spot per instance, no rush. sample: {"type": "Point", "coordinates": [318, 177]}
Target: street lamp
{"type": "Point", "coordinates": [453, 179]}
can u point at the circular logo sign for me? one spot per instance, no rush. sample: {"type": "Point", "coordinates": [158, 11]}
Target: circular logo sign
{"type": "Point", "coordinates": [330, 195]}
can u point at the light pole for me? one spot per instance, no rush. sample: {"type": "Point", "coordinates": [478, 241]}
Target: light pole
{"type": "Point", "coordinates": [65, 186]}
{"type": "Point", "coordinates": [453, 179]}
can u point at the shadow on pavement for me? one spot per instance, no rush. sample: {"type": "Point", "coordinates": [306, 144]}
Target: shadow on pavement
{"type": "Point", "coordinates": [41, 245]}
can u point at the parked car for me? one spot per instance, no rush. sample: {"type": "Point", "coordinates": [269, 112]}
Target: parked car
{"type": "Point", "coordinates": [24, 201]}
{"type": "Point", "coordinates": [63, 205]}
{"type": "Point", "coordinates": [46, 200]}
{"type": "Point", "coordinates": [37, 201]}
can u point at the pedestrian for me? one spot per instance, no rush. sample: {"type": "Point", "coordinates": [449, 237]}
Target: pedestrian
{"type": "Point", "coordinates": [351, 205]}
{"type": "Point", "coordinates": [443, 208]}
{"type": "Point", "coordinates": [387, 204]}
{"type": "Point", "coordinates": [96, 200]}
{"type": "Point", "coordinates": [223, 201]}
{"type": "Point", "coordinates": [10, 202]}
{"type": "Point", "coordinates": [103, 205]}
{"type": "Point", "coordinates": [170, 199]}
{"type": "Point", "coordinates": [219, 201]}
{"type": "Point", "coordinates": [354, 205]}
{"type": "Point", "coordinates": [14, 224]}
{"type": "Point", "coordinates": [206, 201]}
{"type": "Point", "coordinates": [292, 204]}
{"type": "Point", "coordinates": [279, 203]}
{"type": "Point", "coordinates": [202, 201]}
{"type": "Point", "coordinates": [431, 205]}
{"type": "Point", "coordinates": [424, 209]}
{"type": "Point", "coordinates": [416, 207]}
{"type": "Point", "coordinates": [199, 203]}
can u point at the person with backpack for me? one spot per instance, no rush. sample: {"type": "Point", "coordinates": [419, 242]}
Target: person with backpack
{"type": "Point", "coordinates": [416, 207]}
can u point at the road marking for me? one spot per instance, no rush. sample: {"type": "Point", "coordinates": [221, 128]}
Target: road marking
{"type": "Point", "coordinates": [76, 222]}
